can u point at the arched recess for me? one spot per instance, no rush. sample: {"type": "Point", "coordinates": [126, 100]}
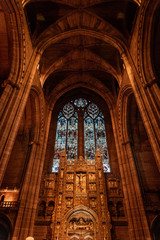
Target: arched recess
{"type": "Point", "coordinates": [5, 228]}
{"type": "Point", "coordinates": [150, 44]}
{"type": "Point", "coordinates": [88, 94]}
{"type": "Point", "coordinates": [154, 43]}
{"type": "Point", "coordinates": [79, 215]}
{"type": "Point", "coordinates": [155, 229]}
{"type": "Point", "coordinates": [146, 167]}
{"type": "Point", "coordinates": [22, 146]}
{"type": "Point", "coordinates": [5, 49]}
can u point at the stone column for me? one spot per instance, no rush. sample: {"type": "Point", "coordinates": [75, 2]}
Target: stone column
{"type": "Point", "coordinates": [137, 220]}
{"type": "Point", "coordinates": [24, 225]}
{"type": "Point", "coordinates": [148, 112]}
{"type": "Point", "coordinates": [10, 123]}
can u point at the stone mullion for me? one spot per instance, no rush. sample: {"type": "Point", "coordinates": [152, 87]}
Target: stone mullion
{"type": "Point", "coordinates": [147, 112]}
{"type": "Point", "coordinates": [12, 122]}
{"type": "Point", "coordinates": [131, 190]}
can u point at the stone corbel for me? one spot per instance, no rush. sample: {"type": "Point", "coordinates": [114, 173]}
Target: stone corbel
{"type": "Point", "coordinates": [9, 82]}
{"type": "Point", "coordinates": [33, 142]}
{"type": "Point", "coordinates": [149, 84]}
{"type": "Point", "coordinates": [127, 142]}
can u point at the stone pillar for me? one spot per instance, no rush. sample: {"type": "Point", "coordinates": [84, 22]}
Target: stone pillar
{"type": "Point", "coordinates": [138, 225]}
{"type": "Point", "coordinates": [24, 225]}
{"type": "Point", "coordinates": [10, 121]}
{"type": "Point", "coordinates": [137, 221]}
{"type": "Point", "coordinates": [148, 109]}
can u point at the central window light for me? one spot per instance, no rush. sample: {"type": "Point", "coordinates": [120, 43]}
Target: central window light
{"type": "Point", "coordinates": [83, 118]}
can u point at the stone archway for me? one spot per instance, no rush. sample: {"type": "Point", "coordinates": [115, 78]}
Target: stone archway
{"type": "Point", "coordinates": [81, 223]}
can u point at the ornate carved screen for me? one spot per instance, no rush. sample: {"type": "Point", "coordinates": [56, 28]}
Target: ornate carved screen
{"type": "Point", "coordinates": [81, 210]}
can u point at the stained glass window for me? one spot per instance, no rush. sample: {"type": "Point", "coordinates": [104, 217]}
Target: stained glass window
{"type": "Point", "coordinates": [101, 143]}
{"type": "Point", "coordinates": [94, 132]}
{"type": "Point", "coordinates": [80, 102]}
{"type": "Point", "coordinates": [60, 142]}
{"type": "Point", "coordinates": [89, 138]}
{"type": "Point", "coordinates": [72, 136]}
{"type": "Point", "coordinates": [68, 110]}
{"type": "Point", "coordinates": [93, 110]}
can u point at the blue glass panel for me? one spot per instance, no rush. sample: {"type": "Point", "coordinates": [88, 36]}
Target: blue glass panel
{"type": "Point", "coordinates": [101, 114]}
{"type": "Point", "coordinates": [75, 114]}
{"type": "Point", "coordinates": [72, 138]}
{"type": "Point", "coordinates": [60, 142]}
{"type": "Point", "coordinates": [101, 143]}
{"type": "Point", "coordinates": [85, 114]}
{"type": "Point", "coordinates": [93, 110]}
{"type": "Point", "coordinates": [80, 102]}
{"type": "Point", "coordinates": [68, 110]}
{"type": "Point", "coordinates": [60, 115]}
{"type": "Point", "coordinates": [89, 140]}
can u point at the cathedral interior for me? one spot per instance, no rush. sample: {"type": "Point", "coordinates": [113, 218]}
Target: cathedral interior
{"type": "Point", "coordinates": [80, 120]}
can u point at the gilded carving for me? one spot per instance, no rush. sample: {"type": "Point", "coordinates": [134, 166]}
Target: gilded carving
{"type": "Point", "coordinates": [69, 187]}
{"type": "Point", "coordinates": [81, 224]}
{"type": "Point", "coordinates": [81, 203]}
{"type": "Point", "coordinates": [69, 202]}
{"type": "Point", "coordinates": [91, 177]}
{"type": "Point", "coordinates": [61, 173]}
{"type": "Point", "coordinates": [60, 199]}
{"type": "Point", "coordinates": [100, 174]}
{"type": "Point", "coordinates": [102, 199]}
{"type": "Point", "coordinates": [92, 186]}
{"type": "Point", "coordinates": [93, 202]}
{"type": "Point", "coordinates": [70, 176]}
{"type": "Point", "coordinates": [81, 183]}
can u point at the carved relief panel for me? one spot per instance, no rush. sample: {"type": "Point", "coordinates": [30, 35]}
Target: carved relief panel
{"type": "Point", "coordinates": [81, 183]}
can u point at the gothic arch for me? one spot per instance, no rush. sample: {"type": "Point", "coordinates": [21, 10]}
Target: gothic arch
{"type": "Point", "coordinates": [75, 82]}
{"type": "Point", "coordinates": [83, 209]}
{"type": "Point", "coordinates": [104, 32]}
{"type": "Point", "coordinates": [122, 110]}
{"type": "Point", "coordinates": [14, 20]}
{"type": "Point", "coordinates": [5, 227]}
{"type": "Point", "coordinates": [4, 48]}
{"type": "Point", "coordinates": [28, 132]}
{"type": "Point", "coordinates": [91, 93]}
{"type": "Point", "coordinates": [25, 2]}
{"type": "Point", "coordinates": [148, 40]}
{"type": "Point", "coordinates": [145, 163]}
{"type": "Point", "coordinates": [79, 214]}
{"type": "Point", "coordinates": [128, 171]}
{"type": "Point", "coordinates": [155, 228]}
{"type": "Point", "coordinates": [89, 56]}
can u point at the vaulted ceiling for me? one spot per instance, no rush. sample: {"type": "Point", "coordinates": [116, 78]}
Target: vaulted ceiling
{"type": "Point", "coordinates": [80, 53]}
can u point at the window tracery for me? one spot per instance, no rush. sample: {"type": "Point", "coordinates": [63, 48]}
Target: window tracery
{"type": "Point", "coordinates": [67, 132]}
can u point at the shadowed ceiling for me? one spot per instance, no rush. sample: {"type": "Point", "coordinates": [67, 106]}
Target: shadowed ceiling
{"type": "Point", "coordinates": [80, 54]}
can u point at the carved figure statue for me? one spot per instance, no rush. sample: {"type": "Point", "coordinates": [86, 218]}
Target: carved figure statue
{"type": "Point", "coordinates": [81, 182]}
